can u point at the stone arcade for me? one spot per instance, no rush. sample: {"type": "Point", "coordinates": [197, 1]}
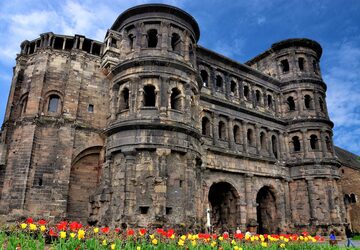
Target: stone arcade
{"type": "Point", "coordinates": [148, 127]}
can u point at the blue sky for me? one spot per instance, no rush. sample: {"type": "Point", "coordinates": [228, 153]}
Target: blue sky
{"type": "Point", "coordinates": [238, 29]}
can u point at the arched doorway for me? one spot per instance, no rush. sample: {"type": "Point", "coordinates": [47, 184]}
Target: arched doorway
{"type": "Point", "coordinates": [84, 178]}
{"type": "Point", "coordinates": [223, 199]}
{"type": "Point", "coordinates": [266, 211]}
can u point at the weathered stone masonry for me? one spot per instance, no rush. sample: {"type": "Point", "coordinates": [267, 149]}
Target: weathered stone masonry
{"type": "Point", "coordinates": [148, 127]}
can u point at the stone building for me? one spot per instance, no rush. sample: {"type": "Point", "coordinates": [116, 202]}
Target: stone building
{"type": "Point", "coordinates": [148, 127]}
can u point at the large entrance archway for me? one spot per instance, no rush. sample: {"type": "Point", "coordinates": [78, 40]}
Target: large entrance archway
{"type": "Point", "coordinates": [266, 211]}
{"type": "Point", "coordinates": [84, 177]}
{"type": "Point", "coordinates": [223, 199]}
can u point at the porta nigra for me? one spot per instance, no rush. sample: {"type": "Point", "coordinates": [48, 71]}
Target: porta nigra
{"type": "Point", "coordinates": [149, 128]}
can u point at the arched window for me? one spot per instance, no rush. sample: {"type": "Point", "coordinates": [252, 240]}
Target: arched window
{"type": "Point", "coordinates": [258, 96]}
{"type": "Point", "coordinates": [152, 38]}
{"type": "Point", "coordinates": [291, 103]}
{"type": "Point", "coordinates": [347, 199]}
{"type": "Point", "coordinates": [149, 96]}
{"type": "Point", "coordinates": [205, 124]}
{"type": "Point", "coordinates": [54, 103]}
{"type": "Point", "coordinates": [233, 87]}
{"type": "Point", "coordinates": [301, 63]}
{"type": "Point", "coordinates": [353, 198]}
{"type": "Point", "coordinates": [175, 42]}
{"type": "Point", "coordinates": [321, 104]}
{"type": "Point", "coordinates": [328, 144]}
{"type": "Point", "coordinates": [274, 146]}
{"type": "Point", "coordinates": [270, 101]}
{"type": "Point", "coordinates": [315, 68]}
{"type": "Point", "coordinates": [222, 130]}
{"type": "Point", "coordinates": [205, 78]}
{"type": "Point", "coordinates": [124, 99]}
{"type": "Point", "coordinates": [308, 102]}
{"type": "Point", "coordinates": [285, 66]}
{"type": "Point", "coordinates": [314, 144]}
{"type": "Point", "coordinates": [23, 104]}
{"type": "Point", "coordinates": [250, 137]}
{"type": "Point", "coordinates": [246, 92]}
{"type": "Point", "coordinates": [296, 144]}
{"type": "Point", "coordinates": [219, 82]}
{"type": "Point", "coordinates": [131, 41]}
{"type": "Point", "coordinates": [237, 134]}
{"type": "Point", "coordinates": [262, 141]}
{"type": "Point", "coordinates": [175, 99]}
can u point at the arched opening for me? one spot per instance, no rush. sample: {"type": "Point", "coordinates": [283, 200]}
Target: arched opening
{"type": "Point", "coordinates": [219, 82]}
{"type": "Point", "coordinates": [84, 177]}
{"type": "Point", "coordinates": [296, 144]}
{"type": "Point", "coordinates": [270, 101]}
{"type": "Point", "coordinates": [237, 134]}
{"type": "Point", "coordinates": [205, 78]}
{"type": "Point", "coordinates": [328, 144]}
{"type": "Point", "coordinates": [205, 125]}
{"type": "Point", "coordinates": [315, 67]}
{"type": "Point", "coordinates": [274, 146]}
{"type": "Point", "coordinates": [347, 199]}
{"type": "Point", "coordinates": [321, 104]}
{"type": "Point", "coordinates": [308, 102]}
{"type": "Point", "coordinates": [314, 144]}
{"type": "Point", "coordinates": [175, 99]}
{"type": "Point", "coordinates": [291, 103]}
{"type": "Point", "coordinates": [131, 38]}
{"type": "Point", "coordinates": [152, 38]}
{"type": "Point", "coordinates": [266, 211]}
{"type": "Point", "coordinates": [223, 199]}
{"type": "Point", "coordinates": [301, 63]}
{"type": "Point", "coordinates": [233, 87]}
{"type": "Point", "coordinates": [124, 99]}
{"type": "Point", "coordinates": [353, 198]}
{"type": "Point", "coordinates": [247, 92]}
{"type": "Point", "coordinates": [262, 141]}
{"type": "Point", "coordinates": [54, 104]}
{"type": "Point", "coordinates": [285, 66]}
{"type": "Point", "coordinates": [175, 42]}
{"type": "Point", "coordinates": [250, 137]}
{"type": "Point", "coordinates": [258, 96]}
{"type": "Point", "coordinates": [222, 130]}
{"type": "Point", "coordinates": [149, 96]}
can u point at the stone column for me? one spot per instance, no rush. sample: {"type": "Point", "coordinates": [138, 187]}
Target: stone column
{"type": "Point", "coordinates": [316, 103]}
{"type": "Point", "coordinates": [165, 29]}
{"type": "Point", "coordinates": [241, 91]}
{"type": "Point", "coordinates": [231, 133]}
{"type": "Point", "coordinates": [215, 128]}
{"type": "Point", "coordinates": [130, 190]}
{"type": "Point", "coordinates": [288, 208]}
{"type": "Point", "coordinates": [64, 43]}
{"type": "Point", "coordinates": [269, 142]}
{"type": "Point", "coordinates": [257, 138]}
{"type": "Point", "coordinates": [323, 142]}
{"type": "Point", "coordinates": [227, 85]}
{"type": "Point", "coordinates": [276, 105]}
{"type": "Point", "coordinates": [304, 139]}
{"type": "Point", "coordinates": [249, 197]}
{"type": "Point", "coordinates": [299, 101]}
{"type": "Point", "coordinates": [212, 83]}
{"type": "Point", "coordinates": [285, 138]}
{"type": "Point", "coordinates": [244, 134]}
{"type": "Point", "coordinates": [311, 191]}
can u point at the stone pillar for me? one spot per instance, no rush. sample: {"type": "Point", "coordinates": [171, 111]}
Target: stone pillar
{"type": "Point", "coordinates": [82, 42]}
{"type": "Point", "coordinates": [212, 82]}
{"type": "Point", "coordinates": [215, 129]}
{"type": "Point", "coordinates": [299, 101]}
{"type": "Point", "coordinates": [285, 139]}
{"type": "Point", "coordinates": [76, 43]}
{"type": "Point", "coordinates": [304, 139]}
{"type": "Point", "coordinates": [323, 142]}
{"type": "Point", "coordinates": [249, 197]}
{"type": "Point", "coordinates": [288, 209]}
{"type": "Point", "coordinates": [241, 91]}
{"type": "Point", "coordinates": [164, 29]}
{"type": "Point", "coordinates": [64, 43]}
{"type": "Point", "coordinates": [257, 139]}
{"type": "Point", "coordinates": [91, 47]}
{"type": "Point", "coordinates": [311, 191]}
{"type": "Point", "coordinates": [129, 189]}
{"type": "Point", "coordinates": [269, 142]}
{"type": "Point", "coordinates": [185, 50]}
{"type": "Point", "coordinates": [227, 85]}
{"type": "Point", "coordinates": [316, 103]}
{"type": "Point", "coordinates": [231, 133]}
{"type": "Point", "coordinates": [164, 95]}
{"type": "Point", "coordinates": [244, 133]}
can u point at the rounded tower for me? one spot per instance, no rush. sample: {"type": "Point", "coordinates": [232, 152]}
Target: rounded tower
{"type": "Point", "coordinates": [153, 136]}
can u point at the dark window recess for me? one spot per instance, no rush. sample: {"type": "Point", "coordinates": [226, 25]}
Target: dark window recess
{"type": "Point", "coordinates": [250, 137]}
{"type": "Point", "coordinates": [175, 42]}
{"type": "Point", "coordinates": [113, 42]}
{"type": "Point", "coordinates": [96, 49]}
{"type": "Point", "coordinates": [262, 141]}
{"type": "Point", "coordinates": [69, 44]}
{"type": "Point", "coordinates": [258, 96]}
{"type": "Point", "coordinates": [205, 126]}
{"type": "Point", "coordinates": [149, 96]}
{"type": "Point", "coordinates": [175, 99]}
{"type": "Point", "coordinates": [222, 130]}
{"type": "Point", "coordinates": [301, 63]}
{"type": "Point", "coordinates": [291, 103]}
{"type": "Point", "coordinates": [205, 78]}
{"type": "Point", "coordinates": [32, 48]}
{"type": "Point", "coordinates": [20, 77]}
{"type": "Point", "coordinates": [236, 133]}
{"type": "Point", "coordinates": [285, 66]}
{"type": "Point", "coordinates": [180, 183]}
{"type": "Point", "coordinates": [23, 105]}
{"type": "Point", "coordinates": [270, 101]}
{"type": "Point", "coordinates": [274, 146]}
{"type": "Point", "coordinates": [296, 143]}
{"type": "Point", "coordinates": [152, 38]}
{"type": "Point", "coordinates": [246, 92]}
{"type": "Point", "coordinates": [131, 41]}
{"type": "Point", "coordinates": [321, 104]}
{"type": "Point", "coordinates": [91, 108]}
{"type": "Point", "coordinates": [124, 99]}
{"type": "Point", "coordinates": [353, 198]}
{"type": "Point", "coordinates": [219, 82]}
{"type": "Point", "coordinates": [40, 181]}
{"type": "Point", "coordinates": [347, 199]}
{"type": "Point", "coordinates": [315, 68]}
{"type": "Point", "coordinates": [144, 210]}
{"type": "Point", "coordinates": [314, 142]}
{"type": "Point", "coordinates": [58, 44]}
{"type": "Point", "coordinates": [168, 210]}
{"type": "Point", "coordinates": [343, 171]}
{"type": "Point", "coordinates": [53, 103]}
{"type": "Point", "coordinates": [307, 100]}
{"type": "Point", "coordinates": [328, 144]}
{"type": "Point", "coordinates": [233, 87]}
{"type": "Point", "coordinates": [86, 45]}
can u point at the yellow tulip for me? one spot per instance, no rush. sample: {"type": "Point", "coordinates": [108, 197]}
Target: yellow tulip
{"type": "Point", "coordinates": [193, 243]}
{"type": "Point", "coordinates": [213, 244]}
{"type": "Point", "coordinates": [104, 243]}
{"type": "Point", "coordinates": [152, 236]}
{"type": "Point", "coordinates": [42, 228]}
{"type": "Point", "coordinates": [264, 244]}
{"type": "Point", "coordinates": [233, 242]}
{"type": "Point", "coordinates": [172, 236]}
{"type": "Point", "coordinates": [221, 238]}
{"type": "Point", "coordinates": [282, 245]}
{"type": "Point", "coordinates": [62, 235]}
{"type": "Point", "coordinates": [286, 239]}
{"type": "Point", "coordinates": [154, 241]}
{"type": "Point", "coordinates": [81, 234]}
{"type": "Point", "coordinates": [32, 227]}
{"type": "Point", "coordinates": [181, 242]}
{"type": "Point", "coordinates": [113, 246]}
{"type": "Point", "coordinates": [72, 235]}
{"type": "Point", "coordinates": [183, 237]}
{"type": "Point", "coordinates": [236, 248]}
{"type": "Point", "coordinates": [138, 248]}
{"type": "Point", "coordinates": [23, 225]}
{"type": "Point", "coordinates": [96, 230]}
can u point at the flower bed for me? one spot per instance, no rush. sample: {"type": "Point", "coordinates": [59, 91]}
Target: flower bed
{"type": "Point", "coordinates": [73, 235]}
